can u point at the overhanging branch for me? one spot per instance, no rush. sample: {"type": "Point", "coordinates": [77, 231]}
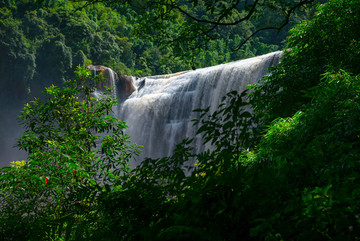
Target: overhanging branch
{"type": "Point", "coordinates": [286, 22]}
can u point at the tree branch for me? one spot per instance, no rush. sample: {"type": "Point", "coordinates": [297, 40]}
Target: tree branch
{"type": "Point", "coordinates": [286, 21]}
{"type": "Point", "coordinates": [213, 24]}
{"type": "Point", "coordinates": [218, 22]}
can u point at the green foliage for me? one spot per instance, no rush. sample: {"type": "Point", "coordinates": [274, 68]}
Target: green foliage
{"type": "Point", "coordinates": [315, 153]}
{"type": "Point", "coordinates": [140, 209]}
{"type": "Point", "coordinates": [77, 150]}
{"type": "Point", "coordinates": [329, 40]}
{"type": "Point", "coordinates": [200, 23]}
{"type": "Point", "coordinates": [17, 60]}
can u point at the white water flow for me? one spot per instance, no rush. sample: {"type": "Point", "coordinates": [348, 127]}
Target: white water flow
{"type": "Point", "coordinates": [112, 83]}
{"type": "Point", "coordinates": [159, 111]}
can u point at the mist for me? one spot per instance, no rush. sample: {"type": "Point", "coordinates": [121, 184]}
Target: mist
{"type": "Point", "coordinates": [10, 131]}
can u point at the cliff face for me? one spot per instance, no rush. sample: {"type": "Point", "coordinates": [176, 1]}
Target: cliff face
{"type": "Point", "coordinates": [125, 87]}
{"type": "Point", "coordinates": [122, 86]}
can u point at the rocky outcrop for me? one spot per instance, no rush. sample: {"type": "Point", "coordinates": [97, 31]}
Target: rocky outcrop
{"type": "Point", "coordinates": [123, 84]}
{"type": "Point", "coordinates": [125, 87]}
{"type": "Point", "coordinates": [108, 77]}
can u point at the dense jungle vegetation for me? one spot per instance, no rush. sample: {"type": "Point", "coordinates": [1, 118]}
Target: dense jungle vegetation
{"type": "Point", "coordinates": [287, 171]}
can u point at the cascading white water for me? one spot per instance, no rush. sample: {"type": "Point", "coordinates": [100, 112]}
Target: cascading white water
{"type": "Point", "coordinates": [159, 111]}
{"type": "Point", "coordinates": [111, 79]}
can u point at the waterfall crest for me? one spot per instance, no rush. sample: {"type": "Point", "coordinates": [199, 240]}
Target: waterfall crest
{"type": "Point", "coordinates": [159, 111]}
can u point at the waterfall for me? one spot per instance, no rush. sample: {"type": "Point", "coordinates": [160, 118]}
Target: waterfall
{"type": "Point", "coordinates": [111, 78]}
{"type": "Point", "coordinates": [159, 110]}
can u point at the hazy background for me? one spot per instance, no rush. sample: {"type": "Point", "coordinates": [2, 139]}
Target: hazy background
{"type": "Point", "coordinates": [10, 131]}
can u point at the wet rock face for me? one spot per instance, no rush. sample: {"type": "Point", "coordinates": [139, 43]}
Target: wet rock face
{"type": "Point", "coordinates": [125, 87]}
